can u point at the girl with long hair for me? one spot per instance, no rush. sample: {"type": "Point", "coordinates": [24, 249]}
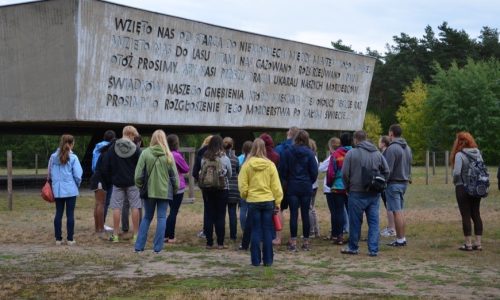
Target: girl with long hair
{"type": "Point", "coordinates": [464, 150]}
{"type": "Point", "coordinates": [216, 199]}
{"type": "Point", "coordinates": [157, 161]}
{"type": "Point", "coordinates": [65, 172]}
{"type": "Point", "coordinates": [260, 185]}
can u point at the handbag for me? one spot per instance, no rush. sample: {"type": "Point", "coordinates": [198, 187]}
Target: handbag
{"type": "Point", "coordinates": [47, 193]}
{"type": "Point", "coordinates": [143, 192]}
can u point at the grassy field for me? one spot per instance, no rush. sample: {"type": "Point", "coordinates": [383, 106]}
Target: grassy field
{"type": "Point", "coordinates": [32, 267]}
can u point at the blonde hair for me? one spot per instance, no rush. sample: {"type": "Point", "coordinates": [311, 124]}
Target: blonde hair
{"type": "Point", "coordinates": [227, 143]}
{"type": "Point", "coordinates": [333, 143]}
{"type": "Point", "coordinates": [312, 145]}
{"type": "Point", "coordinates": [160, 138]}
{"type": "Point", "coordinates": [206, 141]}
{"type": "Point", "coordinates": [129, 132]}
{"type": "Point", "coordinates": [258, 149]}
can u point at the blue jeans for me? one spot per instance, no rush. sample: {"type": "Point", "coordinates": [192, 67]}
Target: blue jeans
{"type": "Point", "coordinates": [233, 219]}
{"type": "Point", "coordinates": [175, 204]}
{"type": "Point", "coordinates": [161, 220]}
{"type": "Point", "coordinates": [215, 207]}
{"type": "Point", "coordinates": [339, 201]}
{"type": "Point", "coordinates": [243, 213]}
{"type": "Point", "coordinates": [367, 203]}
{"type": "Point", "coordinates": [261, 214]}
{"type": "Point", "coordinates": [70, 203]}
{"type": "Point", "coordinates": [303, 202]}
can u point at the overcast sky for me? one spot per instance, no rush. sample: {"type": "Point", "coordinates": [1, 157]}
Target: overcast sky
{"type": "Point", "coordinates": [359, 23]}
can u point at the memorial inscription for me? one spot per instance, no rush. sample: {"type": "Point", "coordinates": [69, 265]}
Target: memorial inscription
{"type": "Point", "coordinates": [180, 72]}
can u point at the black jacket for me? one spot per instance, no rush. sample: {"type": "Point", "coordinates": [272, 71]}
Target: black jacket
{"type": "Point", "coordinates": [121, 160]}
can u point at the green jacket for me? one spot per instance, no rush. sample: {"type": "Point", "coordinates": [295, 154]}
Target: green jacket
{"type": "Point", "coordinates": [161, 173]}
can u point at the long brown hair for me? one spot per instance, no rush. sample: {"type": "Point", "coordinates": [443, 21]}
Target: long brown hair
{"type": "Point", "coordinates": [65, 144]}
{"type": "Point", "coordinates": [464, 140]}
{"type": "Point", "coordinates": [214, 148]}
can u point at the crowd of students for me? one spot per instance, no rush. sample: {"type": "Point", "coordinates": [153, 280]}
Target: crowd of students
{"type": "Point", "coordinates": [262, 181]}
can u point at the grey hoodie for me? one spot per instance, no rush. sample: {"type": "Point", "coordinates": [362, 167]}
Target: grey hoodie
{"type": "Point", "coordinates": [364, 155]}
{"type": "Point", "coordinates": [462, 164]}
{"type": "Point", "coordinates": [399, 158]}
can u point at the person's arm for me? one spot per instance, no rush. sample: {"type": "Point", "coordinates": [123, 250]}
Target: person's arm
{"type": "Point", "coordinates": [385, 168]}
{"type": "Point", "coordinates": [390, 157]}
{"type": "Point", "coordinates": [243, 181]}
{"type": "Point", "coordinates": [181, 164]}
{"type": "Point", "coordinates": [276, 188]}
{"type": "Point", "coordinates": [77, 171]}
{"type": "Point", "coordinates": [227, 165]}
{"type": "Point", "coordinates": [173, 176]}
{"type": "Point", "coordinates": [323, 166]}
{"type": "Point", "coordinates": [346, 169]}
{"type": "Point", "coordinates": [139, 169]}
{"type": "Point", "coordinates": [457, 168]}
{"type": "Point", "coordinates": [313, 168]}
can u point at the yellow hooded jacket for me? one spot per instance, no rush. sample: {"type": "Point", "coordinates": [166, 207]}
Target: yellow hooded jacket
{"type": "Point", "coordinates": [258, 181]}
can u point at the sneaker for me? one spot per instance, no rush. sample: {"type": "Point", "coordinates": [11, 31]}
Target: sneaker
{"type": "Point", "coordinates": [306, 247]}
{"type": "Point", "coordinates": [71, 243]}
{"type": "Point", "coordinates": [395, 243]}
{"type": "Point", "coordinates": [292, 247]}
{"type": "Point", "coordinates": [372, 254]}
{"type": "Point", "coordinates": [108, 229]}
{"type": "Point", "coordinates": [202, 235]}
{"type": "Point", "coordinates": [59, 243]}
{"type": "Point", "coordinates": [388, 232]}
{"type": "Point", "coordinates": [114, 238]}
{"type": "Point", "coordinates": [134, 238]}
{"type": "Point", "coordinates": [241, 248]}
{"type": "Point", "coordinates": [349, 251]}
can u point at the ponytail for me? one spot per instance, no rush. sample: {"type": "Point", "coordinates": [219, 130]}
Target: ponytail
{"type": "Point", "coordinates": [65, 144]}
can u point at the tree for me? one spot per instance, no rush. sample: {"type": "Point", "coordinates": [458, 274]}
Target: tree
{"type": "Point", "coordinates": [467, 99]}
{"type": "Point", "coordinates": [372, 127]}
{"type": "Point", "coordinates": [412, 118]}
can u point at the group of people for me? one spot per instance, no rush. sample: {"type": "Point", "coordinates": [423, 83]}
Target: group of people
{"type": "Point", "coordinates": [263, 181]}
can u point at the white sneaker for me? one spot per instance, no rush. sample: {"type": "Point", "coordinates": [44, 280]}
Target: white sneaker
{"type": "Point", "coordinates": [59, 243]}
{"type": "Point", "coordinates": [108, 229]}
{"type": "Point", "coordinates": [71, 243]}
{"type": "Point", "coordinates": [388, 232]}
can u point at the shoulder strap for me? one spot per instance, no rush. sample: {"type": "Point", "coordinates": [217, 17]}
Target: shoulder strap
{"type": "Point", "coordinates": [154, 165]}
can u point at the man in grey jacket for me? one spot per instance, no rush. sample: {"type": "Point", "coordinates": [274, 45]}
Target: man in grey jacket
{"type": "Point", "coordinates": [399, 158]}
{"type": "Point", "coordinates": [360, 164]}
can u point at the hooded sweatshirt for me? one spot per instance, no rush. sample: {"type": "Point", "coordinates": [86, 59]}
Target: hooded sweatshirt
{"type": "Point", "coordinates": [298, 170]}
{"type": "Point", "coordinates": [97, 152]}
{"type": "Point", "coordinates": [121, 162]}
{"type": "Point", "coordinates": [462, 162]}
{"type": "Point", "coordinates": [66, 178]}
{"type": "Point", "coordinates": [259, 181]}
{"type": "Point", "coordinates": [339, 155]}
{"type": "Point", "coordinates": [364, 155]}
{"type": "Point", "coordinates": [162, 174]}
{"type": "Point", "coordinates": [399, 158]}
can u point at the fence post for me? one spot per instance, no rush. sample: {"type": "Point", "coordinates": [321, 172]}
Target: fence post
{"type": "Point", "coordinates": [433, 163]}
{"type": "Point", "coordinates": [427, 167]}
{"type": "Point", "coordinates": [446, 162]}
{"type": "Point", "coordinates": [36, 164]}
{"type": "Point", "coordinates": [9, 178]}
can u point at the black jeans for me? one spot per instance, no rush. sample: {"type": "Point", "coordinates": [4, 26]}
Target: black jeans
{"type": "Point", "coordinates": [174, 204]}
{"type": "Point", "coordinates": [215, 207]}
{"type": "Point", "coordinates": [469, 209]}
{"type": "Point", "coordinates": [233, 219]}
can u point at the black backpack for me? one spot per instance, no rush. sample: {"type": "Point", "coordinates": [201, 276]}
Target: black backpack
{"type": "Point", "coordinates": [478, 181]}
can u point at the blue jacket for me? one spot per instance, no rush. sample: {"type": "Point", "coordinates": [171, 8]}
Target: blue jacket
{"type": "Point", "coordinates": [65, 178]}
{"type": "Point", "coordinates": [97, 152]}
{"type": "Point", "coordinates": [299, 170]}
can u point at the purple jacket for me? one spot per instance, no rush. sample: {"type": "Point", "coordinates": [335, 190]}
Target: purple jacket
{"type": "Point", "coordinates": [182, 168]}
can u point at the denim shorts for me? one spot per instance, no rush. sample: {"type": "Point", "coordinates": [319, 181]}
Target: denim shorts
{"type": "Point", "coordinates": [394, 195]}
{"type": "Point", "coordinates": [118, 196]}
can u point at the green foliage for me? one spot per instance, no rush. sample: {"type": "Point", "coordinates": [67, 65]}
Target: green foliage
{"type": "Point", "coordinates": [467, 99]}
{"type": "Point", "coordinates": [412, 118]}
{"type": "Point", "coordinates": [372, 126]}
{"type": "Point", "coordinates": [412, 57]}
